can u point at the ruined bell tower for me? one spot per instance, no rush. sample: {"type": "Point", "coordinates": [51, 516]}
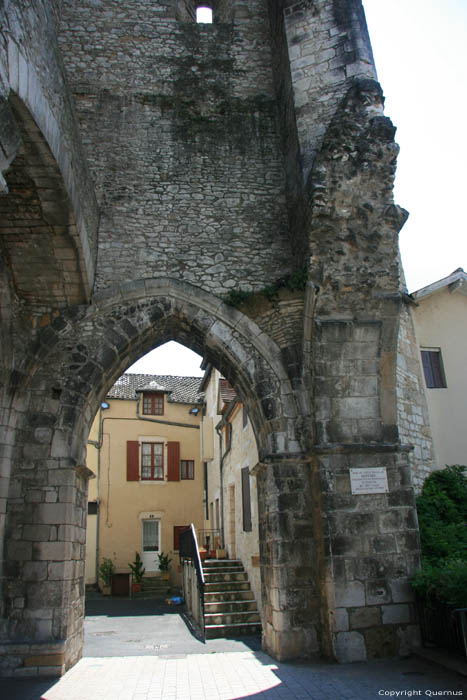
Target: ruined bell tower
{"type": "Point", "coordinates": [229, 186]}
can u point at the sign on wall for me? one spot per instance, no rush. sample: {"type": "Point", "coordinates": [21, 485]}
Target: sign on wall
{"type": "Point", "coordinates": [369, 480]}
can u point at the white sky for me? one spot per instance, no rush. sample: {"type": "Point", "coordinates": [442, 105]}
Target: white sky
{"type": "Point", "coordinates": [420, 50]}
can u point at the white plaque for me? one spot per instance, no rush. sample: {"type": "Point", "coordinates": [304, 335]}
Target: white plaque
{"type": "Point", "coordinates": [369, 480]}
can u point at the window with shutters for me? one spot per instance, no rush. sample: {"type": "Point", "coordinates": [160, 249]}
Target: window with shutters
{"type": "Point", "coordinates": [433, 369]}
{"type": "Point", "coordinates": [246, 499]}
{"type": "Point", "coordinates": [187, 469]}
{"type": "Point", "coordinates": [152, 461]}
{"type": "Point", "coordinates": [146, 461]}
{"type": "Point", "coordinates": [153, 404]}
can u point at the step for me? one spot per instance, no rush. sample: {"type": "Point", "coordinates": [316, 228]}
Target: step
{"type": "Point", "coordinates": [225, 577]}
{"type": "Point", "coordinates": [240, 630]}
{"type": "Point", "coordinates": [220, 587]}
{"type": "Point", "coordinates": [230, 606]}
{"type": "Point", "coordinates": [219, 570]}
{"type": "Point", "coordinates": [236, 618]}
{"type": "Point", "coordinates": [218, 563]}
{"type": "Point", "coordinates": [228, 596]}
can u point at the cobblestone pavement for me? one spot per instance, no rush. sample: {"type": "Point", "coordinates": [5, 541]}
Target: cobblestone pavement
{"type": "Point", "coordinates": [144, 650]}
{"type": "Point", "coordinates": [247, 674]}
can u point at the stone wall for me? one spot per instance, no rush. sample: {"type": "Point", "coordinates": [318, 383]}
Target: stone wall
{"type": "Point", "coordinates": [413, 419]}
{"type": "Point", "coordinates": [179, 125]}
{"type": "Point", "coordinates": [216, 167]}
{"type": "Point", "coordinates": [31, 70]}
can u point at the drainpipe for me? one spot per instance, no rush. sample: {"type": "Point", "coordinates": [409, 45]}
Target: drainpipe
{"type": "Point", "coordinates": [219, 427]}
{"type": "Point", "coordinates": [98, 445]}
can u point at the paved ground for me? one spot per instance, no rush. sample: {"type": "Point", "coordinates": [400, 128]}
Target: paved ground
{"type": "Point", "coordinates": [123, 627]}
{"type": "Point", "coordinates": [143, 650]}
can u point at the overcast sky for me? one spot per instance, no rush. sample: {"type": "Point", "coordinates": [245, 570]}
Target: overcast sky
{"type": "Point", "coordinates": [420, 49]}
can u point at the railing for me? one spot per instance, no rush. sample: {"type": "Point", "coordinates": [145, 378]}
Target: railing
{"type": "Point", "coordinates": [442, 626]}
{"type": "Point", "coordinates": [188, 549]}
{"type": "Point", "coordinates": [210, 539]}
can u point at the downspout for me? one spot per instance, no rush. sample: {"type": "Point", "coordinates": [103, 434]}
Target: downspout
{"type": "Point", "coordinates": [98, 445]}
{"type": "Point", "coordinates": [219, 427]}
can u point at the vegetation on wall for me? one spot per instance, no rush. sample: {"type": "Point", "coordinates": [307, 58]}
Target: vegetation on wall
{"type": "Point", "coordinates": [294, 282]}
{"type": "Point", "coordinates": [442, 514]}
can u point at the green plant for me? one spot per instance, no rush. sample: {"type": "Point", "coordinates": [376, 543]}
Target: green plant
{"type": "Point", "coordinates": [137, 569]}
{"type": "Point", "coordinates": [106, 571]}
{"type": "Point", "coordinates": [164, 561]}
{"type": "Point", "coordinates": [294, 282]}
{"type": "Point", "coordinates": [446, 582]}
{"type": "Point", "coordinates": [442, 513]}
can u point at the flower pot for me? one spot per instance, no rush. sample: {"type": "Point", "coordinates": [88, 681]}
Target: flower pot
{"type": "Point", "coordinates": [203, 554]}
{"type": "Point", "coordinates": [136, 587]}
{"type": "Point", "coordinates": [106, 590]}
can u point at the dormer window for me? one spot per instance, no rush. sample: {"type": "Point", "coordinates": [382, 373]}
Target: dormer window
{"type": "Point", "coordinates": [153, 404]}
{"type": "Point", "coordinates": [203, 14]}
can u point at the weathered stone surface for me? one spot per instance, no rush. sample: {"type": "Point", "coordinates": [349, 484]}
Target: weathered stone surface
{"type": "Point", "coordinates": [350, 647]}
{"type": "Point", "coordinates": [199, 161]}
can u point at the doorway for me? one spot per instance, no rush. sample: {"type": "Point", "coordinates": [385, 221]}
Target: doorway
{"type": "Point", "coordinates": [151, 544]}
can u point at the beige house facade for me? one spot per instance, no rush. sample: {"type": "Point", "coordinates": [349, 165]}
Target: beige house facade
{"type": "Point", "coordinates": [230, 498]}
{"type": "Point", "coordinates": [440, 318]}
{"type": "Point", "coordinates": [144, 448]}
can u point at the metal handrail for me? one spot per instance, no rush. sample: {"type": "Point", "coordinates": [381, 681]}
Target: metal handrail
{"type": "Point", "coordinates": [210, 539]}
{"type": "Point", "coordinates": [188, 549]}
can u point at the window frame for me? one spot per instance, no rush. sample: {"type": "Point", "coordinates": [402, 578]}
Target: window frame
{"type": "Point", "coordinates": [157, 403]}
{"type": "Point", "coordinates": [152, 460]}
{"type": "Point", "coordinates": [433, 368]}
{"type": "Point", "coordinates": [203, 6]}
{"type": "Point", "coordinates": [185, 474]}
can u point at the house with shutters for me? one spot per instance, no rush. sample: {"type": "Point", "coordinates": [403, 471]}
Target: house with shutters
{"type": "Point", "coordinates": [144, 449]}
{"type": "Point", "coordinates": [440, 320]}
{"type": "Point", "coordinates": [229, 454]}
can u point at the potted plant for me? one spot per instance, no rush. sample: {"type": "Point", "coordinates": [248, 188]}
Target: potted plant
{"type": "Point", "coordinates": [138, 571]}
{"type": "Point", "coordinates": [164, 565]}
{"type": "Point", "coordinates": [106, 571]}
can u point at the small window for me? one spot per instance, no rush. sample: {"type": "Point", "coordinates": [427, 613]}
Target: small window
{"type": "Point", "coordinates": [204, 14]}
{"type": "Point", "coordinates": [187, 469]}
{"type": "Point", "coordinates": [433, 369]}
{"type": "Point", "coordinates": [153, 404]}
{"type": "Point", "coordinates": [152, 461]}
{"type": "Point", "coordinates": [92, 508]}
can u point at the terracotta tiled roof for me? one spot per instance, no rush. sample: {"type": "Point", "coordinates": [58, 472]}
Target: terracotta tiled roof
{"type": "Point", "coordinates": [226, 392]}
{"type": "Point", "coordinates": [179, 389]}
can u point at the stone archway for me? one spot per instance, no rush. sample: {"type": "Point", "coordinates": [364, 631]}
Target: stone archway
{"type": "Point", "coordinates": [78, 357]}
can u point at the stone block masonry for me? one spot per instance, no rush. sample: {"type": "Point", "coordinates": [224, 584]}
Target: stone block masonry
{"type": "Point", "coordinates": [155, 165]}
{"type": "Point", "coordinates": [179, 125]}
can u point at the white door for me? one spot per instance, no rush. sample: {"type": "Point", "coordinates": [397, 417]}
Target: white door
{"type": "Point", "coordinates": [151, 544]}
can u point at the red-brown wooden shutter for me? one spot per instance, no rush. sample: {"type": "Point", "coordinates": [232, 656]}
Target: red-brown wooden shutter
{"type": "Point", "coordinates": [173, 461]}
{"type": "Point", "coordinates": [132, 460]}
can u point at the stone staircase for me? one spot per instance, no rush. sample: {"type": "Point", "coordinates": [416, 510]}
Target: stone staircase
{"type": "Point", "coordinates": [230, 608]}
{"type": "Point", "coordinates": [153, 587]}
